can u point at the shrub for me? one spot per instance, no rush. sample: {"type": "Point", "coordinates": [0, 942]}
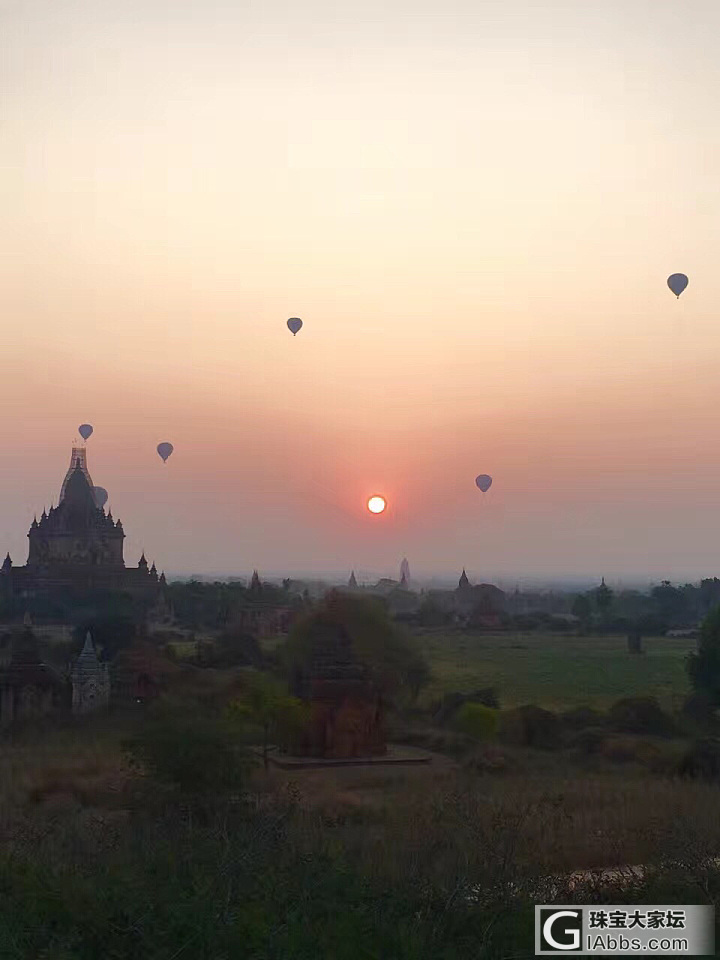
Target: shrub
{"type": "Point", "coordinates": [487, 760]}
{"type": "Point", "coordinates": [451, 703]}
{"type": "Point", "coordinates": [628, 750]}
{"type": "Point", "coordinates": [588, 741]}
{"type": "Point", "coordinates": [531, 726]}
{"type": "Point", "coordinates": [701, 761]}
{"type": "Point", "coordinates": [581, 717]}
{"type": "Point", "coordinates": [477, 721]}
{"type": "Point", "coordinates": [238, 650]}
{"type": "Point", "coordinates": [641, 715]}
{"type": "Point", "coordinates": [195, 752]}
{"type": "Point", "coordinates": [267, 703]}
{"type": "Point", "coordinates": [698, 706]}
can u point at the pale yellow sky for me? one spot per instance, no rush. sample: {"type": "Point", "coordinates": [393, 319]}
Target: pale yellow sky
{"type": "Point", "coordinates": [473, 206]}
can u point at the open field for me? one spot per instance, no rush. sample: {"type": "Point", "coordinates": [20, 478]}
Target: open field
{"type": "Point", "coordinates": [555, 671]}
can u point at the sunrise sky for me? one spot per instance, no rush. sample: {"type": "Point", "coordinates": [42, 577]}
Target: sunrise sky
{"type": "Point", "coordinates": [473, 206]}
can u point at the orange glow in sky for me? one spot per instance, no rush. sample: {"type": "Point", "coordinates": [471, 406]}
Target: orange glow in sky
{"type": "Point", "coordinates": [475, 296]}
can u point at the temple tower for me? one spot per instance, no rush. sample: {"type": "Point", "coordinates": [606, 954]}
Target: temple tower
{"type": "Point", "coordinates": [90, 680]}
{"type": "Point", "coordinates": [78, 453]}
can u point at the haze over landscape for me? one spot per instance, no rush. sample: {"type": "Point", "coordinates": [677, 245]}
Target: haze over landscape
{"type": "Point", "coordinates": [474, 207]}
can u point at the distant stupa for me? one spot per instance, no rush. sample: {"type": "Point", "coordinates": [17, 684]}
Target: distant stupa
{"type": "Point", "coordinates": [352, 582]}
{"type": "Point", "coordinates": [404, 570]}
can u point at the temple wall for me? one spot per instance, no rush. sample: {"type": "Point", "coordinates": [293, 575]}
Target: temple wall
{"type": "Point", "coordinates": [68, 547]}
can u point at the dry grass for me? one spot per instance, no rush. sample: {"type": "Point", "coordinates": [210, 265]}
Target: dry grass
{"type": "Point", "coordinates": [559, 819]}
{"type": "Point", "coordinates": [80, 761]}
{"type": "Point", "coordinates": [542, 813]}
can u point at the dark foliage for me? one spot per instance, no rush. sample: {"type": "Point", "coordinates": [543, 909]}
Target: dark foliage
{"type": "Point", "coordinates": [193, 750]}
{"type": "Point", "coordinates": [111, 634]}
{"type": "Point", "coordinates": [581, 717]}
{"type": "Point", "coordinates": [531, 726]}
{"type": "Point", "coordinates": [451, 703]}
{"type": "Point", "coordinates": [377, 643]}
{"type": "Point", "coordinates": [704, 666]}
{"type": "Point", "coordinates": [641, 715]}
{"type": "Point", "coordinates": [702, 760]}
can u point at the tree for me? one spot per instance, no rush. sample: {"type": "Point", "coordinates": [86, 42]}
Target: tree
{"type": "Point", "coordinates": [709, 592]}
{"type": "Point", "coordinates": [582, 607]}
{"type": "Point", "coordinates": [670, 603]}
{"type": "Point", "coordinates": [431, 614]}
{"type": "Point", "coordinates": [111, 633]}
{"type": "Point", "coordinates": [236, 648]}
{"type": "Point", "coordinates": [376, 642]}
{"type": "Point", "coordinates": [267, 703]}
{"type": "Point", "coordinates": [194, 751]}
{"type": "Point", "coordinates": [704, 665]}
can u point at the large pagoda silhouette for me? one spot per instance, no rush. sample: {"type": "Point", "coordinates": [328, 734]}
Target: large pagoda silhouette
{"type": "Point", "coordinates": [77, 546]}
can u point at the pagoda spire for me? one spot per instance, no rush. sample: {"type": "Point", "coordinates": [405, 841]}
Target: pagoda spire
{"type": "Point", "coordinates": [88, 649]}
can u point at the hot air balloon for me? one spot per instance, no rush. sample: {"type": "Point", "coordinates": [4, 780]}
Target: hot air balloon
{"type": "Point", "coordinates": [677, 283]}
{"type": "Point", "coordinates": [483, 482]}
{"type": "Point", "coordinates": [85, 430]}
{"type": "Point", "coordinates": [165, 449]}
{"type": "Point", "coordinates": [294, 325]}
{"type": "Point", "coordinates": [101, 496]}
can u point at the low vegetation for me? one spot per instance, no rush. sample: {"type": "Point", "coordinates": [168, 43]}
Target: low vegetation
{"type": "Point", "coordinates": [159, 832]}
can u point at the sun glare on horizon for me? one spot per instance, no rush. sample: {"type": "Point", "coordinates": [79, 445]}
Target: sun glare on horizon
{"type": "Point", "coordinates": [376, 504]}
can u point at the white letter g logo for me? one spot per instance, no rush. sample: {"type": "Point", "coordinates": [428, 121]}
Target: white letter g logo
{"type": "Point", "coordinates": [575, 934]}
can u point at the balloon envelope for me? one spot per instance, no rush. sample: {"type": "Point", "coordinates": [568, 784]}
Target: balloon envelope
{"type": "Point", "coordinates": [483, 482]}
{"type": "Point", "coordinates": [85, 430]}
{"type": "Point", "coordinates": [677, 283]}
{"type": "Point", "coordinates": [294, 324]}
{"type": "Point", "coordinates": [101, 496]}
{"type": "Point", "coordinates": [165, 449]}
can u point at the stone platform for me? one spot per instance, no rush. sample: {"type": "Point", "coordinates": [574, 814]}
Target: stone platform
{"type": "Point", "coordinates": [395, 756]}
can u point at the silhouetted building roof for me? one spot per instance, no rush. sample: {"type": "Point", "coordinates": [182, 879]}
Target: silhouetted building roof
{"type": "Point", "coordinates": [76, 545]}
{"type": "Point", "coordinates": [78, 453]}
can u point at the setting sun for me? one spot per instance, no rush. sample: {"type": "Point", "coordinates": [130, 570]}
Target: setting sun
{"type": "Point", "coordinates": [376, 504]}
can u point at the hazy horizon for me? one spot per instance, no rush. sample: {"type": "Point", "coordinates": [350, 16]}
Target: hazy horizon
{"type": "Point", "coordinates": [474, 208]}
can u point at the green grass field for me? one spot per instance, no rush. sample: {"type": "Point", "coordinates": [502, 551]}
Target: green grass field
{"type": "Point", "coordinates": [555, 671]}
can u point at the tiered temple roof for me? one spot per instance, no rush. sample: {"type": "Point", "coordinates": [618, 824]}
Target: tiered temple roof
{"type": "Point", "coordinates": [78, 545]}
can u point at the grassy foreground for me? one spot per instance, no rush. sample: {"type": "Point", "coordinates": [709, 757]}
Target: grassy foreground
{"type": "Point", "coordinates": [353, 864]}
{"type": "Point", "coordinates": [555, 671]}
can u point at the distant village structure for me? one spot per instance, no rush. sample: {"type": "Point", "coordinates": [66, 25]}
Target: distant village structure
{"type": "Point", "coordinates": [481, 605]}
